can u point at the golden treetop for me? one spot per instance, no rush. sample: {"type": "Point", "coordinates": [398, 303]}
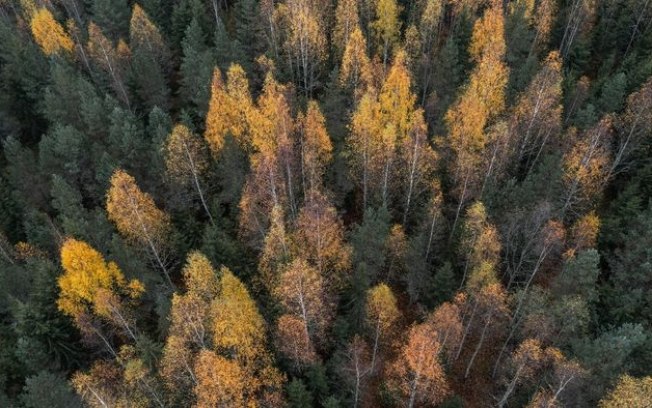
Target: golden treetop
{"type": "Point", "coordinates": [382, 309]}
{"type": "Point", "coordinates": [134, 212]}
{"type": "Point", "coordinates": [238, 327]}
{"type": "Point", "coordinates": [87, 277]}
{"type": "Point", "coordinates": [49, 34]}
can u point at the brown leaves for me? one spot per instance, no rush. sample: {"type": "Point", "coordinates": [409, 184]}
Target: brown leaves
{"type": "Point", "coordinates": [319, 238]}
{"type": "Point", "coordinates": [293, 340]}
{"type": "Point", "coordinates": [417, 373]}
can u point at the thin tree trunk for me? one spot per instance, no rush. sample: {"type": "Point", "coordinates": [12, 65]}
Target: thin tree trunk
{"type": "Point", "coordinates": [477, 348]}
{"type": "Point", "coordinates": [510, 387]}
{"type": "Point", "coordinates": [459, 206]}
{"type": "Point", "coordinates": [195, 177]}
{"type": "Point", "coordinates": [376, 340]}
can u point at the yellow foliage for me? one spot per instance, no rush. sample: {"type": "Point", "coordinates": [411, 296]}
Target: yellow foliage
{"type": "Point", "coordinates": [301, 291]}
{"type": "Point", "coordinates": [87, 280]}
{"type": "Point", "coordinates": [238, 327]}
{"type": "Point", "coordinates": [387, 25]}
{"type": "Point", "coordinates": [382, 310]}
{"type": "Point", "coordinates": [184, 155]}
{"type": "Point", "coordinates": [584, 232]}
{"type": "Point", "coordinates": [356, 67]}
{"type": "Point", "coordinates": [487, 40]}
{"type": "Point", "coordinates": [630, 392]}
{"type": "Point", "coordinates": [229, 109]}
{"type": "Point", "coordinates": [143, 33]}
{"type": "Point", "coordinates": [220, 382]}
{"type": "Point", "coordinates": [346, 21]}
{"type": "Point", "coordinates": [396, 99]}
{"type": "Point", "coordinates": [276, 250]}
{"type": "Point", "coordinates": [49, 34]}
{"type": "Point", "coordinates": [316, 146]}
{"type": "Point", "coordinates": [134, 212]}
{"type": "Point", "coordinates": [484, 97]}
{"type": "Point", "coordinates": [200, 277]}
{"type": "Point", "coordinates": [272, 126]}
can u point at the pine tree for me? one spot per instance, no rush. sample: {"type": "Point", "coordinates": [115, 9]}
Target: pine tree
{"type": "Point", "coordinates": [196, 68]}
{"type": "Point", "coordinates": [112, 16]}
{"type": "Point", "coordinates": [150, 59]}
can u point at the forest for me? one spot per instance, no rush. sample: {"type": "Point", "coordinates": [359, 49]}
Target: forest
{"type": "Point", "coordinates": [325, 203]}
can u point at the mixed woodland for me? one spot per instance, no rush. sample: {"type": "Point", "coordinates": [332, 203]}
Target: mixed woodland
{"type": "Point", "coordinates": [325, 203]}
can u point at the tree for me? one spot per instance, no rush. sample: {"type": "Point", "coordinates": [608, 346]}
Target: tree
{"type": "Point", "coordinates": [305, 45]}
{"type": "Point", "coordinates": [488, 301]}
{"type": "Point", "coordinates": [274, 163]}
{"type": "Point", "coordinates": [446, 321]}
{"type": "Point", "coordinates": [480, 243]}
{"type": "Point", "coordinates": [316, 147]}
{"type": "Point", "coordinates": [382, 314]}
{"type": "Point", "coordinates": [294, 341]}
{"type": "Point", "coordinates": [103, 54]}
{"type": "Point", "coordinates": [298, 394]}
{"type": "Point", "coordinates": [150, 60]}
{"type": "Point", "coordinates": [417, 373]}
{"type": "Point", "coordinates": [629, 392]}
{"type": "Point", "coordinates": [49, 34]}
{"type": "Point", "coordinates": [429, 32]}
{"type": "Point", "coordinates": [366, 126]}
{"type": "Point", "coordinates": [357, 367]}
{"type": "Point", "coordinates": [103, 386]}
{"type": "Point", "coordinates": [90, 286]}
{"type": "Point", "coordinates": [248, 30]}
{"type": "Point", "coordinates": [48, 389]}
{"type": "Point", "coordinates": [302, 292]}
{"type": "Point", "coordinates": [319, 238]}
{"type": "Point", "coordinates": [196, 68]}
{"type": "Point", "coordinates": [388, 140]}
{"type": "Point", "coordinates": [581, 16]}
{"type": "Point", "coordinates": [563, 373]}
{"type": "Point", "coordinates": [586, 166]}
{"type": "Point", "coordinates": [237, 326]}
{"type": "Point", "coordinates": [227, 108]}
{"type": "Point", "coordinates": [276, 252]}
{"type": "Point", "coordinates": [137, 217]}
{"type": "Point", "coordinates": [544, 16]}
{"type": "Point", "coordinates": [355, 71]}
{"type": "Point", "coordinates": [631, 126]}
{"type": "Point", "coordinates": [482, 100]}
{"type": "Point", "coordinates": [220, 382]}
{"type": "Point", "coordinates": [186, 161]}
{"type": "Point", "coordinates": [190, 324]}
{"type": "Point", "coordinates": [628, 294]}
{"type": "Point", "coordinates": [239, 337]}
{"type": "Point", "coordinates": [346, 22]}
{"type": "Point", "coordinates": [524, 364]}
{"type": "Point", "coordinates": [113, 16]}
{"type": "Point", "coordinates": [386, 26]}
{"type": "Point", "coordinates": [536, 119]}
